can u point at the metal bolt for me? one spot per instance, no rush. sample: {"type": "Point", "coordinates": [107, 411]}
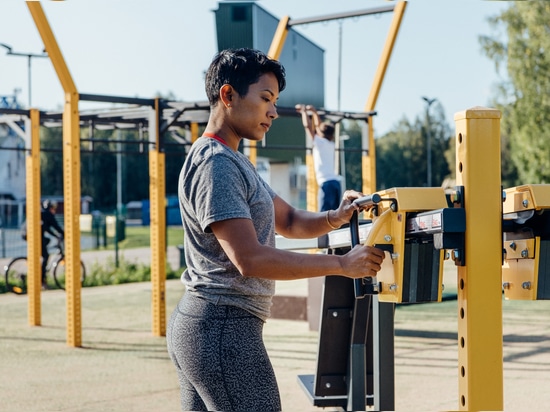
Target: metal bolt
{"type": "Point", "coordinates": [526, 285]}
{"type": "Point", "coordinates": [513, 245]}
{"type": "Point", "coordinates": [503, 196]}
{"type": "Point", "coordinates": [327, 385]}
{"type": "Point", "coordinates": [524, 253]}
{"type": "Point", "coordinates": [393, 287]}
{"type": "Point", "coordinates": [456, 254]}
{"type": "Point", "coordinates": [525, 203]}
{"type": "Point", "coordinates": [447, 255]}
{"type": "Point", "coordinates": [387, 238]}
{"type": "Point", "coordinates": [334, 314]}
{"type": "Point", "coordinates": [506, 285]}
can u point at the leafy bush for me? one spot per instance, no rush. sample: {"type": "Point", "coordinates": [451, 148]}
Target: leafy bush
{"type": "Point", "coordinates": [107, 273]}
{"type": "Point", "coordinates": [126, 272]}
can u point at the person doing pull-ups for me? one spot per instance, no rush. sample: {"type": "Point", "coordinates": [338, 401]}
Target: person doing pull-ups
{"type": "Point", "coordinates": [322, 136]}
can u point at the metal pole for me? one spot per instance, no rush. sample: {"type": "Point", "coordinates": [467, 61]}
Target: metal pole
{"type": "Point", "coordinates": [429, 140]}
{"type": "Point", "coordinates": [119, 171]}
{"type": "Point", "coordinates": [339, 64]}
{"type": "Point", "coordinates": [29, 56]}
{"type": "Point", "coordinates": [29, 78]}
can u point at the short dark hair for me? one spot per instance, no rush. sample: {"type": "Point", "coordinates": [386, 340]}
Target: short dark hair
{"type": "Point", "coordinates": [327, 129]}
{"type": "Point", "coordinates": [240, 68]}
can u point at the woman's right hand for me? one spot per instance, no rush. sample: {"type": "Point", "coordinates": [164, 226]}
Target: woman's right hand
{"type": "Point", "coordinates": [362, 261]}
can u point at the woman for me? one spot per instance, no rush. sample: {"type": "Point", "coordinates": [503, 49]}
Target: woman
{"type": "Point", "coordinates": [230, 217]}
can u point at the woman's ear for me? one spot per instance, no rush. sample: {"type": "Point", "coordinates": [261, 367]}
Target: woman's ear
{"type": "Point", "coordinates": [226, 95]}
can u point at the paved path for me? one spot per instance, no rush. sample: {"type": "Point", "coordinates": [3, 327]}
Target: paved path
{"type": "Point", "coordinates": [139, 255]}
{"type": "Point", "coordinates": [123, 367]}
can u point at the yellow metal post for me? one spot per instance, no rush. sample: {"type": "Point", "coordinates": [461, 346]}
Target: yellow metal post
{"type": "Point", "coordinates": [71, 195]}
{"type": "Point", "coordinates": [279, 38]}
{"type": "Point", "coordinates": [194, 132]}
{"type": "Point", "coordinates": [369, 161]}
{"type": "Point", "coordinates": [158, 225]}
{"type": "Point", "coordinates": [480, 360]}
{"type": "Point", "coordinates": [312, 188]}
{"type": "Point", "coordinates": [34, 239]}
{"type": "Point", "coordinates": [71, 175]}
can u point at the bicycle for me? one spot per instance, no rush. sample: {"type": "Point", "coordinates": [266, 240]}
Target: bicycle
{"type": "Point", "coordinates": [16, 270]}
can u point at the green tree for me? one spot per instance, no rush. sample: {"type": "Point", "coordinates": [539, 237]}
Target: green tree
{"type": "Point", "coordinates": [352, 153]}
{"type": "Point", "coordinates": [51, 161]}
{"type": "Point", "coordinates": [524, 98]}
{"type": "Point", "coordinates": [401, 154]}
{"type": "Point", "coordinates": [401, 157]}
{"type": "Point", "coordinates": [99, 165]}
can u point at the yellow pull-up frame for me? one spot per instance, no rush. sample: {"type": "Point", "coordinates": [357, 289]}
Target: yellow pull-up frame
{"type": "Point", "coordinates": [71, 175]}
{"type": "Point", "coordinates": [369, 160]}
{"type": "Point", "coordinates": [157, 184]}
{"type": "Point", "coordinates": [34, 240]}
{"type": "Point", "coordinates": [72, 195]}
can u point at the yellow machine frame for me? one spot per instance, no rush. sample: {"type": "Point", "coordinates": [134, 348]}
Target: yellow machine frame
{"type": "Point", "coordinates": [389, 228]}
{"type": "Point", "coordinates": [521, 260]}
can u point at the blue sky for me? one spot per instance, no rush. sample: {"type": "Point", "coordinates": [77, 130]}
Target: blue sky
{"type": "Point", "coordinates": [145, 47]}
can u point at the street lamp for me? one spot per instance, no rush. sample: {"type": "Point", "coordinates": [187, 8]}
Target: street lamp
{"type": "Point", "coordinates": [429, 139]}
{"type": "Point", "coordinates": [29, 56]}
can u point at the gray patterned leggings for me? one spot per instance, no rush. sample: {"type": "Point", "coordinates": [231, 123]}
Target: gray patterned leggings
{"type": "Point", "coordinates": [220, 358]}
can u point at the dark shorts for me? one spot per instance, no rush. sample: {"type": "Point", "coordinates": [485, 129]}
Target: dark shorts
{"type": "Point", "coordinates": [331, 194]}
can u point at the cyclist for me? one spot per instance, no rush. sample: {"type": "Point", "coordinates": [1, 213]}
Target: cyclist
{"type": "Point", "coordinates": [50, 226]}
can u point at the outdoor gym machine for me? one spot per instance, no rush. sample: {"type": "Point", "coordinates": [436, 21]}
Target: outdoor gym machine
{"type": "Point", "coordinates": [417, 227]}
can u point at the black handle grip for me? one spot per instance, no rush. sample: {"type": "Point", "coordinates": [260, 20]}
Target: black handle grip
{"type": "Point", "coordinates": [354, 233]}
{"type": "Point", "coordinates": [367, 201]}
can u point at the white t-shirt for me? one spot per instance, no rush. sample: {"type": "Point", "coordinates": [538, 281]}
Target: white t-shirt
{"type": "Point", "coordinates": [323, 160]}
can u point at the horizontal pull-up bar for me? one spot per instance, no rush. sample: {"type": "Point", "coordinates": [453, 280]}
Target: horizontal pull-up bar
{"type": "Point", "coordinates": [116, 99]}
{"type": "Point", "coordinates": [344, 15]}
{"type": "Point", "coordinates": [290, 111]}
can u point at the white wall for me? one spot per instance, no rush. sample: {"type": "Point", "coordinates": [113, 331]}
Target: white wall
{"type": "Point", "coordinates": [12, 165]}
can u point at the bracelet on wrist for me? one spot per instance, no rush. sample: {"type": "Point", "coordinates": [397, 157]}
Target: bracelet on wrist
{"type": "Point", "coordinates": [328, 221]}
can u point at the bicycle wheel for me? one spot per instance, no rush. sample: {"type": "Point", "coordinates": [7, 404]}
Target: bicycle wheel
{"type": "Point", "coordinates": [16, 275]}
{"type": "Point", "coordinates": [59, 273]}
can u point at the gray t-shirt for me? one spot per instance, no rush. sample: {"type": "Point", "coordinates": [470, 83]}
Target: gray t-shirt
{"type": "Point", "coordinates": [215, 184]}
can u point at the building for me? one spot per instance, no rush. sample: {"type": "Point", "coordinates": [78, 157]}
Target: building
{"type": "Point", "coordinates": [12, 177]}
{"type": "Point", "coordinates": [246, 24]}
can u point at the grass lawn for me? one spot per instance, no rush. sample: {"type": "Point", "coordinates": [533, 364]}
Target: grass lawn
{"type": "Point", "coordinates": [140, 236]}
